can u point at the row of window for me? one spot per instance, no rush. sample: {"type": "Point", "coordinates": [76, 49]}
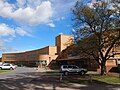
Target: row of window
{"type": "Point", "coordinates": [27, 56]}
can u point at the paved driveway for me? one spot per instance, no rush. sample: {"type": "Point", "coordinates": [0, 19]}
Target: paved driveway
{"type": "Point", "coordinates": [19, 71]}
{"type": "Point", "coordinates": [24, 78]}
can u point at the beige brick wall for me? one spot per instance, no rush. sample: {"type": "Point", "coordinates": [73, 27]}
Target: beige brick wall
{"type": "Point", "coordinates": [48, 53]}
{"type": "Point", "coordinates": [52, 50]}
{"type": "Point", "coordinates": [62, 41]}
{"type": "Point", "coordinates": [13, 57]}
{"type": "Point", "coordinates": [111, 63]}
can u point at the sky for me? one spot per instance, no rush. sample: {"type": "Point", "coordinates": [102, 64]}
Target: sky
{"type": "Point", "coordinates": [32, 24]}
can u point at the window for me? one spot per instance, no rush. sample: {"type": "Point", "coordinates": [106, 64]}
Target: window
{"type": "Point", "coordinates": [75, 67]}
{"type": "Point", "coordinates": [7, 64]}
{"type": "Point", "coordinates": [10, 57]}
{"type": "Point", "coordinates": [43, 53]}
{"type": "Point", "coordinates": [64, 66]}
{"type": "Point", "coordinates": [69, 66]}
{"type": "Point", "coordinates": [31, 56]}
{"type": "Point", "coordinates": [118, 61]}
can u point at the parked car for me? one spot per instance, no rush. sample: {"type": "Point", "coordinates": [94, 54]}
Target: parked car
{"type": "Point", "coordinates": [8, 66]}
{"type": "Point", "coordinates": [66, 69]}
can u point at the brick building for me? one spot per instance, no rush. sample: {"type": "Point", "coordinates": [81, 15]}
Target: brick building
{"type": "Point", "coordinates": [56, 54]}
{"type": "Point", "coordinates": [41, 56]}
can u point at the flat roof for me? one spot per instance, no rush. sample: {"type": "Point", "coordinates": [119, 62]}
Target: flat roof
{"type": "Point", "coordinates": [64, 35]}
{"type": "Point", "coordinates": [29, 51]}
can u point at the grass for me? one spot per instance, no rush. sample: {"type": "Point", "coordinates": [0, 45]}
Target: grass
{"type": "Point", "coordinates": [2, 71]}
{"type": "Point", "coordinates": [52, 73]}
{"type": "Point", "coordinates": [107, 79]}
{"type": "Point", "coordinates": [96, 78]}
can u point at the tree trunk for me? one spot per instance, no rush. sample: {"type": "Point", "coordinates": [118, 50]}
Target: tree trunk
{"type": "Point", "coordinates": [103, 68]}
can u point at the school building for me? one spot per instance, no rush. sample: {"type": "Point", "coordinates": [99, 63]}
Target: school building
{"type": "Point", "coordinates": [42, 56]}
{"type": "Point", "coordinates": [54, 55]}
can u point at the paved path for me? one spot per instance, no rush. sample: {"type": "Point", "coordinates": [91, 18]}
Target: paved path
{"type": "Point", "coordinates": [24, 78]}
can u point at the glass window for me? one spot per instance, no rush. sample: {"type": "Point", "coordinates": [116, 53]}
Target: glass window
{"type": "Point", "coordinates": [69, 66]}
{"type": "Point", "coordinates": [7, 64]}
{"type": "Point", "coordinates": [118, 61]}
{"type": "Point", "coordinates": [75, 67]}
{"type": "Point", "coordinates": [43, 53]}
{"type": "Point", "coordinates": [64, 66]}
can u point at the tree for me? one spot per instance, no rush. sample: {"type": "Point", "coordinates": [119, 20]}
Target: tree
{"type": "Point", "coordinates": [97, 30]}
{"type": "Point", "coordinates": [0, 59]}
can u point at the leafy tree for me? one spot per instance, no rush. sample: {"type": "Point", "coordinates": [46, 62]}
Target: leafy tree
{"type": "Point", "coordinates": [97, 30]}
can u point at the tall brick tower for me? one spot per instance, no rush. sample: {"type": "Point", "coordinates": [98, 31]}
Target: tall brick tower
{"type": "Point", "coordinates": [62, 41]}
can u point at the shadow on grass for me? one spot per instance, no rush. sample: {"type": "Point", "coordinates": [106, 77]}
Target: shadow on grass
{"type": "Point", "coordinates": [91, 84]}
{"type": "Point", "coordinates": [44, 81]}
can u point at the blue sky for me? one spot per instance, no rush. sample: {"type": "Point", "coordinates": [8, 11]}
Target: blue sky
{"type": "Point", "coordinates": [32, 24]}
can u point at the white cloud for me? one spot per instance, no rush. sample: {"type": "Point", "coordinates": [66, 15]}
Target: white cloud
{"type": "Point", "coordinates": [61, 18]}
{"type": "Point", "coordinates": [7, 34]}
{"type": "Point", "coordinates": [73, 30]}
{"type": "Point", "coordinates": [62, 7]}
{"type": "Point", "coordinates": [51, 25]}
{"type": "Point", "coordinates": [60, 33]}
{"type": "Point", "coordinates": [34, 12]}
{"type": "Point", "coordinates": [5, 30]}
{"type": "Point", "coordinates": [37, 15]}
{"type": "Point", "coordinates": [22, 32]}
{"type": "Point", "coordinates": [3, 47]}
{"type": "Point", "coordinates": [6, 40]}
{"type": "Point", "coordinates": [34, 3]}
{"type": "Point", "coordinates": [21, 3]}
{"type": "Point", "coordinates": [1, 43]}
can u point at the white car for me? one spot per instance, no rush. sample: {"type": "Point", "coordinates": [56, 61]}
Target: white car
{"type": "Point", "coordinates": [66, 69]}
{"type": "Point", "coordinates": [8, 66]}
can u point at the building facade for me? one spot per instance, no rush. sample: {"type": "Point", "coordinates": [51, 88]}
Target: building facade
{"type": "Point", "coordinates": [41, 56]}
{"type": "Point", "coordinates": [89, 62]}
{"type": "Point", "coordinates": [48, 55]}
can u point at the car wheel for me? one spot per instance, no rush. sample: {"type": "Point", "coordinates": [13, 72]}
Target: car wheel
{"type": "Point", "coordinates": [82, 72]}
{"type": "Point", "coordinates": [11, 68]}
{"type": "Point", "coordinates": [66, 73]}
{"type": "Point", "coordinates": [0, 68]}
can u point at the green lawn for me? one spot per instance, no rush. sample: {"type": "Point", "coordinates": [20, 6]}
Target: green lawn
{"type": "Point", "coordinates": [107, 79]}
{"type": "Point", "coordinates": [95, 78]}
{"type": "Point", "coordinates": [52, 73]}
{"type": "Point", "coordinates": [2, 71]}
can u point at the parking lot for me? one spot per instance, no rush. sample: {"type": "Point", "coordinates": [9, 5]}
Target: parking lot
{"type": "Point", "coordinates": [19, 71]}
{"type": "Point", "coordinates": [25, 78]}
